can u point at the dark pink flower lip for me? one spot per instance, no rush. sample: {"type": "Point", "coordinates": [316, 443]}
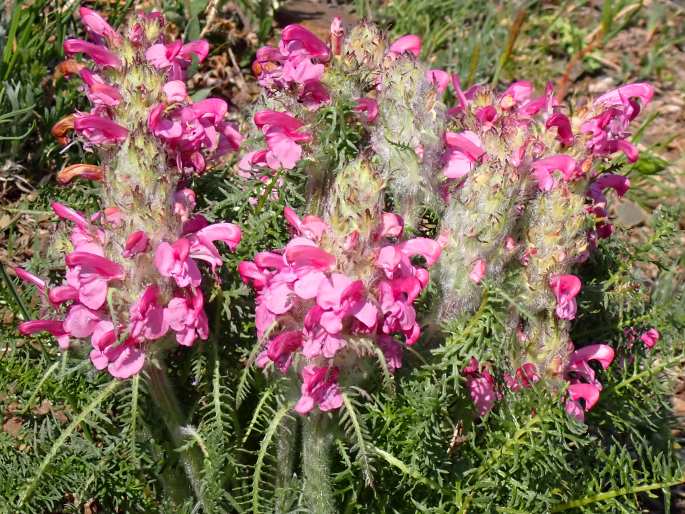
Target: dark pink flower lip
{"type": "Point", "coordinates": [98, 53]}
{"type": "Point", "coordinates": [100, 129]}
{"type": "Point", "coordinates": [406, 44]}
{"type": "Point", "coordinates": [101, 265]}
{"type": "Point", "coordinates": [69, 214]}
{"type": "Point", "coordinates": [316, 48]}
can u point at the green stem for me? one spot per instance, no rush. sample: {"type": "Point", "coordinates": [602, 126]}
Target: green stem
{"type": "Point", "coordinates": [316, 445]}
{"type": "Point", "coordinates": [169, 408]}
{"type": "Point", "coordinates": [615, 493]}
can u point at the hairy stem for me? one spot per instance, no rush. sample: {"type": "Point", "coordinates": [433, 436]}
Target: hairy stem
{"type": "Point", "coordinates": [316, 445]}
{"type": "Point", "coordinates": [287, 439]}
{"type": "Point", "coordinates": [169, 409]}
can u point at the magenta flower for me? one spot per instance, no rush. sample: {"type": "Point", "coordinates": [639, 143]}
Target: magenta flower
{"type": "Point", "coordinates": [464, 151]}
{"type": "Point", "coordinates": [368, 107]}
{"type": "Point", "coordinates": [543, 170]}
{"type": "Point", "coordinates": [136, 243]}
{"type": "Point", "coordinates": [586, 392]}
{"type": "Point", "coordinates": [478, 271]}
{"type": "Point", "coordinates": [173, 260]}
{"type": "Point", "coordinates": [176, 57]}
{"type": "Point", "coordinates": [30, 278]}
{"type": "Point", "coordinates": [406, 44]}
{"type": "Point", "coordinates": [147, 317]}
{"type": "Point", "coordinates": [100, 54]}
{"type": "Point", "coordinates": [481, 386]}
{"type": "Point", "coordinates": [440, 79]}
{"type": "Point", "coordinates": [54, 327]}
{"type": "Point", "coordinates": [98, 130]}
{"type": "Point", "coordinates": [98, 91]}
{"type": "Point", "coordinates": [565, 289]}
{"type": "Point", "coordinates": [90, 274]}
{"type": "Point", "coordinates": [319, 388]}
{"type": "Point", "coordinates": [650, 338]}
{"type": "Point", "coordinates": [304, 294]}
{"type": "Point", "coordinates": [563, 126]}
{"type": "Point", "coordinates": [282, 133]}
{"type": "Point", "coordinates": [281, 348]}
{"type": "Point", "coordinates": [98, 26]}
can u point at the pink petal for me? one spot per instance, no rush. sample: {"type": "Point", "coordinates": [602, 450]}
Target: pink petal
{"type": "Point", "coordinates": [226, 232]}
{"type": "Point", "coordinates": [602, 353]}
{"type": "Point", "coordinates": [175, 91]}
{"type": "Point", "coordinates": [128, 362]}
{"type": "Point", "coordinates": [98, 53]}
{"type": "Point", "coordinates": [409, 43]}
{"type": "Point", "coordinates": [587, 392]}
{"type": "Point", "coordinates": [427, 248]}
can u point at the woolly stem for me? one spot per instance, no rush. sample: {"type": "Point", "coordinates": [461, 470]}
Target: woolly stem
{"type": "Point", "coordinates": [169, 408]}
{"type": "Point", "coordinates": [286, 461]}
{"type": "Point", "coordinates": [316, 445]}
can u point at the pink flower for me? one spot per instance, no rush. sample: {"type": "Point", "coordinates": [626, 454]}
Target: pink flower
{"type": "Point", "coordinates": [98, 53]}
{"type": "Point", "coordinates": [650, 338]}
{"type": "Point", "coordinates": [146, 317]}
{"type": "Point", "coordinates": [481, 385]}
{"type": "Point", "coordinates": [478, 271]}
{"type": "Point", "coordinates": [186, 317]}
{"type": "Point", "coordinates": [586, 392]}
{"type": "Point", "coordinates": [81, 321]}
{"type": "Point", "coordinates": [175, 91]}
{"type": "Point", "coordinates": [526, 376]}
{"type": "Point", "coordinates": [202, 242]}
{"type": "Point", "coordinates": [173, 260]}
{"type": "Point", "coordinates": [296, 39]}
{"type": "Point", "coordinates": [67, 213]}
{"type": "Point", "coordinates": [319, 388]}
{"type": "Point", "coordinates": [99, 93]}
{"type": "Point", "coordinates": [464, 150]}
{"type": "Point", "coordinates": [99, 130]}
{"type": "Point", "coordinates": [563, 126]}
{"type": "Point", "coordinates": [602, 353]}
{"type": "Point", "coordinates": [565, 289]}
{"type": "Point", "coordinates": [409, 43]}
{"type": "Point", "coordinates": [31, 279]}
{"type": "Point", "coordinates": [97, 25]}
{"type": "Point", "coordinates": [90, 274]}
{"type": "Point", "coordinates": [280, 349]}
{"type": "Point", "coordinates": [314, 94]}
{"type": "Point", "coordinates": [176, 56]}
{"type": "Point", "coordinates": [439, 78]}
{"type": "Point", "coordinates": [54, 327]}
{"type": "Point", "coordinates": [517, 93]}
{"type": "Point", "coordinates": [136, 243]}
{"type": "Point", "coordinates": [368, 107]}
{"type": "Point", "coordinates": [625, 95]}
{"type": "Point", "coordinates": [282, 134]}
{"type": "Point", "coordinates": [543, 168]}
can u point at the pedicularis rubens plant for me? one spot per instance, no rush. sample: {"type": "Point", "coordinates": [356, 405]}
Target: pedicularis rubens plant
{"type": "Point", "coordinates": [439, 254]}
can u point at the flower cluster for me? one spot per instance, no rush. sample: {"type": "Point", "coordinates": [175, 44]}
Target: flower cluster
{"type": "Point", "coordinates": [296, 65]}
{"type": "Point", "coordinates": [191, 132]}
{"type": "Point", "coordinates": [317, 302]}
{"type": "Point", "coordinates": [132, 275]}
